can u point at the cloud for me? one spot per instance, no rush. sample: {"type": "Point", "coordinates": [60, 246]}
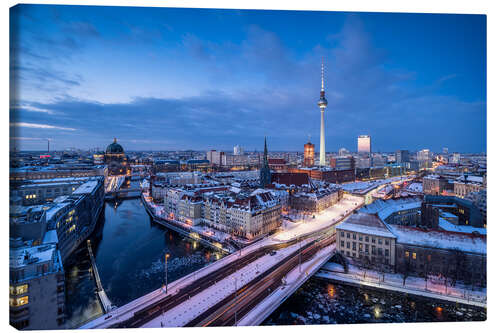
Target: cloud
{"type": "Point", "coordinates": [29, 139]}
{"type": "Point", "coordinates": [41, 126]}
{"type": "Point", "coordinates": [31, 108]}
{"type": "Point", "coordinates": [254, 87]}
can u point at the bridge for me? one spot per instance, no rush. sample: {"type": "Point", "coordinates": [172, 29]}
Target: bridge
{"type": "Point", "coordinates": [241, 288]}
{"type": "Point", "coordinates": [105, 302]}
{"type": "Point", "coordinates": [114, 183]}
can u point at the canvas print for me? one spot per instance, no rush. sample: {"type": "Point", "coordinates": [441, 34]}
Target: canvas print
{"type": "Point", "coordinates": [183, 167]}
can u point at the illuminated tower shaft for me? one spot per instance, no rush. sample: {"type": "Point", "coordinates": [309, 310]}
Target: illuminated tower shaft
{"type": "Point", "coordinates": [322, 160]}
{"type": "Point", "coordinates": [322, 103]}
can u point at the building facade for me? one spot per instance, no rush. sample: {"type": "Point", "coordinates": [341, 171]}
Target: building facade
{"type": "Point", "coordinates": [37, 289]}
{"type": "Point", "coordinates": [308, 154]}
{"type": "Point", "coordinates": [364, 144]}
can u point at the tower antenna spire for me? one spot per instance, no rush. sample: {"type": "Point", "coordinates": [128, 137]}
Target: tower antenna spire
{"type": "Point", "coordinates": [322, 74]}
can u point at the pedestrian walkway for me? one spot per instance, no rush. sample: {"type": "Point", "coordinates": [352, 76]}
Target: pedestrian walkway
{"type": "Point", "coordinates": [433, 288]}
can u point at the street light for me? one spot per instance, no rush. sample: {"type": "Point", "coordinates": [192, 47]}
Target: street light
{"type": "Point", "coordinates": [166, 271]}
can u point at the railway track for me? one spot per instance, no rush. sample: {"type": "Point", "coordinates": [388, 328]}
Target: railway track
{"type": "Point", "coordinates": [226, 312]}
{"type": "Point", "coordinates": [156, 309]}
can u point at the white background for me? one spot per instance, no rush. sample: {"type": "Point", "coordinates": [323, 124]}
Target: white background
{"type": "Point", "coordinates": [491, 8]}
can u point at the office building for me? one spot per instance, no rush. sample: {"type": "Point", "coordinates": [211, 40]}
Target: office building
{"type": "Point", "coordinates": [364, 144]}
{"type": "Point", "coordinates": [37, 291]}
{"type": "Point", "coordinates": [216, 157]}
{"type": "Point", "coordinates": [342, 163]}
{"type": "Point", "coordinates": [343, 152]}
{"type": "Point", "coordinates": [402, 156]}
{"type": "Point", "coordinates": [238, 150]}
{"type": "Point", "coordinates": [424, 155]}
{"type": "Point", "coordinates": [308, 154]}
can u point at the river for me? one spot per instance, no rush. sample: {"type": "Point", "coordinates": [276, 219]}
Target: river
{"type": "Point", "coordinates": [129, 250]}
{"type": "Point", "coordinates": [322, 302]}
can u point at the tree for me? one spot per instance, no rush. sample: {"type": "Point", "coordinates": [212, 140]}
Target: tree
{"type": "Point", "coordinates": [406, 270]}
{"type": "Point", "coordinates": [459, 265]}
{"type": "Point", "coordinates": [339, 258]}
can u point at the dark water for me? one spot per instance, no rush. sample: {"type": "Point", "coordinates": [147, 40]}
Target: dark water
{"type": "Point", "coordinates": [322, 302]}
{"type": "Point", "coordinates": [129, 250]}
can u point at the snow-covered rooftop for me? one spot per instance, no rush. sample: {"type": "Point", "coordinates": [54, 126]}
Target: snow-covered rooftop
{"type": "Point", "coordinates": [439, 239]}
{"type": "Point", "coordinates": [87, 187]}
{"type": "Point", "coordinates": [448, 226]}
{"type": "Point", "coordinates": [365, 223]}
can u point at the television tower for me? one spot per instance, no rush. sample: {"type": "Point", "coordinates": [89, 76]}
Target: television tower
{"type": "Point", "coordinates": [322, 103]}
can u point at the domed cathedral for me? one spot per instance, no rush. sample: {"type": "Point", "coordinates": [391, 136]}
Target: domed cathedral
{"type": "Point", "coordinates": [116, 160]}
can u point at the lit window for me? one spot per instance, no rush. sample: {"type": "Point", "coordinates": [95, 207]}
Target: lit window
{"type": "Point", "coordinates": [407, 254]}
{"type": "Point", "coordinates": [18, 301]}
{"type": "Point", "coordinates": [414, 255]}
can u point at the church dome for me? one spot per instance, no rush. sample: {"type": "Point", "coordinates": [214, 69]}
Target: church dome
{"type": "Point", "coordinates": [114, 148]}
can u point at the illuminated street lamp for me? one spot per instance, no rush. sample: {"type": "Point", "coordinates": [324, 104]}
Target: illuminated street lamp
{"type": "Point", "coordinates": [166, 271]}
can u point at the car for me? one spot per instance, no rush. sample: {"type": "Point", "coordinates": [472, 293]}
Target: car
{"type": "Point", "coordinates": [272, 253]}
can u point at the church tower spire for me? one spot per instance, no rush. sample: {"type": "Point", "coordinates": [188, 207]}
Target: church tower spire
{"type": "Point", "coordinates": [265, 171]}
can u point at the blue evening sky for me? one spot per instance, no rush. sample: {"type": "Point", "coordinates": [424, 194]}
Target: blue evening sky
{"type": "Point", "coordinates": [174, 79]}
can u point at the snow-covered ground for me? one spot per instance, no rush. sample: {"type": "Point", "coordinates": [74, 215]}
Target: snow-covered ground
{"type": "Point", "coordinates": [361, 187]}
{"type": "Point", "coordinates": [326, 218]}
{"type": "Point", "coordinates": [415, 187]}
{"type": "Point", "coordinates": [434, 287]}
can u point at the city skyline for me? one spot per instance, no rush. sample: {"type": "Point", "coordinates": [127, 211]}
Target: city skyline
{"type": "Point", "coordinates": [81, 73]}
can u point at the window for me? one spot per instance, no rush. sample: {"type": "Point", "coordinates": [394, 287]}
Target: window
{"type": "Point", "coordinates": [429, 257]}
{"type": "Point", "coordinates": [386, 252]}
{"type": "Point", "coordinates": [348, 245]}
{"type": "Point", "coordinates": [386, 242]}
{"type": "Point", "coordinates": [360, 247]}
{"type": "Point", "coordinates": [348, 235]}
{"type": "Point", "coordinates": [18, 301]}
{"type": "Point", "coordinates": [354, 236]}
{"type": "Point", "coordinates": [373, 240]}
{"type": "Point", "coordinates": [367, 250]}
{"type": "Point", "coordinates": [341, 243]}
{"type": "Point", "coordinates": [354, 246]}
{"type": "Point", "coordinates": [341, 234]}
{"type": "Point", "coordinates": [380, 241]}
{"type": "Point", "coordinates": [348, 253]}
{"type": "Point", "coordinates": [379, 251]}
{"type": "Point", "coordinates": [18, 290]}
{"type": "Point", "coordinates": [414, 255]}
{"type": "Point", "coordinates": [367, 239]}
{"type": "Point", "coordinates": [374, 250]}
{"type": "Point", "coordinates": [407, 254]}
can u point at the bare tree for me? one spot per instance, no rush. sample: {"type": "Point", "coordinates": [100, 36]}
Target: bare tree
{"type": "Point", "coordinates": [406, 270]}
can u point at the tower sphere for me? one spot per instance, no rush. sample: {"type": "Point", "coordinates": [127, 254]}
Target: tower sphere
{"type": "Point", "coordinates": [322, 103]}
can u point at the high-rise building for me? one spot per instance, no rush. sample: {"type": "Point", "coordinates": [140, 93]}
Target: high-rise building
{"type": "Point", "coordinates": [308, 154]}
{"type": "Point", "coordinates": [238, 150]}
{"type": "Point", "coordinates": [402, 156]}
{"type": "Point", "coordinates": [364, 144]}
{"type": "Point", "coordinates": [322, 103]}
{"type": "Point", "coordinates": [445, 151]}
{"type": "Point", "coordinates": [216, 157]}
{"type": "Point", "coordinates": [343, 152]}
{"type": "Point", "coordinates": [424, 155]}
